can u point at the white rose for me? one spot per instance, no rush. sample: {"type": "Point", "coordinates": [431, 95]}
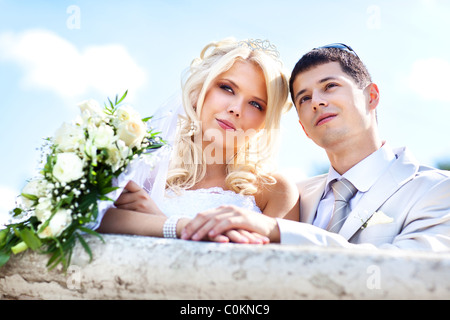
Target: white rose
{"type": "Point", "coordinates": [116, 155]}
{"type": "Point", "coordinates": [125, 113]}
{"type": "Point", "coordinates": [37, 188]}
{"type": "Point", "coordinates": [69, 138]}
{"type": "Point", "coordinates": [91, 112]}
{"type": "Point", "coordinates": [102, 137]}
{"type": "Point", "coordinates": [91, 107]}
{"type": "Point", "coordinates": [43, 210]}
{"type": "Point", "coordinates": [68, 167]}
{"type": "Point", "coordinates": [91, 151]}
{"type": "Point", "coordinates": [132, 132]}
{"type": "Point", "coordinates": [60, 221]}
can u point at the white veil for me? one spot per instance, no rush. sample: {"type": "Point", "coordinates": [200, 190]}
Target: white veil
{"type": "Point", "coordinates": [150, 170]}
{"type": "Point", "coordinates": [165, 121]}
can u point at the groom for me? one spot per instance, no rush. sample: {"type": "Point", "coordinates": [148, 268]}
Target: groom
{"type": "Point", "coordinates": [373, 196]}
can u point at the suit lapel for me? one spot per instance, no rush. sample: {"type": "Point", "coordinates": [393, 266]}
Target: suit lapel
{"type": "Point", "coordinates": [400, 172]}
{"type": "Point", "coordinates": [311, 192]}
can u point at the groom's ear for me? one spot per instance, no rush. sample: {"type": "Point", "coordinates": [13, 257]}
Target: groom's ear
{"type": "Point", "coordinates": [374, 96]}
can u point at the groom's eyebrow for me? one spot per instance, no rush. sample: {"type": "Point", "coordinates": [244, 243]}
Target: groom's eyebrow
{"type": "Point", "coordinates": [327, 79]}
{"type": "Point", "coordinates": [299, 94]}
{"type": "Point", "coordinates": [319, 82]}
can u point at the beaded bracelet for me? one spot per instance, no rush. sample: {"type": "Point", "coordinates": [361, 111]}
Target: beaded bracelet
{"type": "Point", "coordinates": [170, 227]}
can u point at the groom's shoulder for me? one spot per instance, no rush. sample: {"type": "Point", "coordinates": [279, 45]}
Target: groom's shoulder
{"type": "Point", "coordinates": [428, 180]}
{"type": "Point", "coordinates": [421, 174]}
{"type": "Point", "coordinates": [433, 175]}
{"type": "Point", "coordinates": [311, 182]}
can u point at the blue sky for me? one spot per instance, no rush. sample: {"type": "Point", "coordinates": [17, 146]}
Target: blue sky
{"type": "Point", "coordinates": [54, 54]}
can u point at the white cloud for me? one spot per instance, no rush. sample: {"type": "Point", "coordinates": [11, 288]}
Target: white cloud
{"type": "Point", "coordinates": [51, 62]}
{"type": "Point", "coordinates": [429, 78]}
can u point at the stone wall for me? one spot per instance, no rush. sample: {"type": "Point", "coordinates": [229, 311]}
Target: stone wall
{"type": "Point", "coordinates": [132, 267]}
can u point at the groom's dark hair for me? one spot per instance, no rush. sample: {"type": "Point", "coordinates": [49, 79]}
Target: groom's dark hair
{"type": "Point", "coordinates": [349, 61]}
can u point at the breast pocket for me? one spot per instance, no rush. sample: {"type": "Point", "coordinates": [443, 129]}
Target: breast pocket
{"type": "Point", "coordinates": [377, 234]}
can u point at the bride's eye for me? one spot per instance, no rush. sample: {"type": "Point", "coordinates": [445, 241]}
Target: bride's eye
{"type": "Point", "coordinates": [256, 105]}
{"type": "Point", "coordinates": [226, 88]}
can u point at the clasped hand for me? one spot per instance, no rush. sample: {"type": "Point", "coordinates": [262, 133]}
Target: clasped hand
{"type": "Point", "coordinates": [223, 224]}
{"type": "Point", "coordinates": [134, 198]}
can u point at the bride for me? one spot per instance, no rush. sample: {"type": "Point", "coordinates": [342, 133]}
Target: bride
{"type": "Point", "coordinates": [233, 101]}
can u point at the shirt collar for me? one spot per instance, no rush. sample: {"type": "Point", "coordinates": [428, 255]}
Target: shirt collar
{"type": "Point", "coordinates": [365, 173]}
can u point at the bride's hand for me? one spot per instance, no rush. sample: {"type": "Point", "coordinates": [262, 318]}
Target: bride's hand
{"type": "Point", "coordinates": [236, 224]}
{"type": "Point", "coordinates": [238, 235]}
{"type": "Point", "coordinates": [134, 198]}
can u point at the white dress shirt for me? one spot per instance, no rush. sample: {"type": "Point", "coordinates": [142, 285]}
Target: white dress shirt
{"type": "Point", "coordinates": [363, 176]}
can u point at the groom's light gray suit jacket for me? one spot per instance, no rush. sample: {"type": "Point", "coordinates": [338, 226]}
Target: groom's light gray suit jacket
{"type": "Point", "coordinates": [407, 208]}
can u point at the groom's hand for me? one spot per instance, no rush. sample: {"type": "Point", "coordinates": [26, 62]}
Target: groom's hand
{"type": "Point", "coordinates": [229, 236]}
{"type": "Point", "coordinates": [134, 198]}
{"type": "Point", "coordinates": [242, 223]}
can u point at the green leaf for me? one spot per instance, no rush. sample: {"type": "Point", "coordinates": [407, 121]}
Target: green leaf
{"type": "Point", "coordinates": [112, 105]}
{"type": "Point", "coordinates": [92, 232]}
{"type": "Point", "coordinates": [87, 200]}
{"type": "Point", "coordinates": [30, 196]}
{"type": "Point", "coordinates": [108, 190]}
{"type": "Point", "coordinates": [4, 257]}
{"type": "Point", "coordinates": [29, 237]}
{"type": "Point", "coordinates": [17, 211]}
{"type": "Point", "coordinates": [105, 198]}
{"type": "Point", "coordinates": [85, 246]}
{"type": "Point", "coordinates": [18, 248]}
{"type": "Point", "coordinates": [58, 257]}
{"type": "Point", "coordinates": [3, 234]}
{"type": "Point", "coordinates": [155, 146]}
{"type": "Point", "coordinates": [123, 97]}
{"type": "Point", "coordinates": [54, 260]}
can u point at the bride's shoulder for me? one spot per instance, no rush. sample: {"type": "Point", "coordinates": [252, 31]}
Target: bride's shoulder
{"type": "Point", "coordinates": [283, 185]}
{"type": "Point", "coordinates": [283, 190]}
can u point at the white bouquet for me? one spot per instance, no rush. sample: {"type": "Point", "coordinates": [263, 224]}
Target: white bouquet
{"type": "Point", "coordinates": [82, 159]}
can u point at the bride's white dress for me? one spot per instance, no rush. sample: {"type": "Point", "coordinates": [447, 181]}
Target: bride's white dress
{"type": "Point", "coordinates": [188, 203]}
{"type": "Point", "coordinates": [191, 202]}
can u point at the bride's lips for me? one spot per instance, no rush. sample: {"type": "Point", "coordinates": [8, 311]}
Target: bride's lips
{"type": "Point", "coordinates": [324, 118]}
{"type": "Point", "coordinates": [226, 125]}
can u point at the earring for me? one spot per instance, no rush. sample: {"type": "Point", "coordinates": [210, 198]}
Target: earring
{"type": "Point", "coordinates": [192, 129]}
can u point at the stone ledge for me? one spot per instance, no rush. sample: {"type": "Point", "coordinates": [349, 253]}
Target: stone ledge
{"type": "Point", "coordinates": [133, 267]}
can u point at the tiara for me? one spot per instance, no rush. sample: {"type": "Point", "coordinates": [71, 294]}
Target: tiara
{"type": "Point", "coordinates": [263, 45]}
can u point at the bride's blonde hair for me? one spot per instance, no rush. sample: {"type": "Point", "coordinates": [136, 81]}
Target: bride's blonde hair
{"type": "Point", "coordinates": [250, 167]}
